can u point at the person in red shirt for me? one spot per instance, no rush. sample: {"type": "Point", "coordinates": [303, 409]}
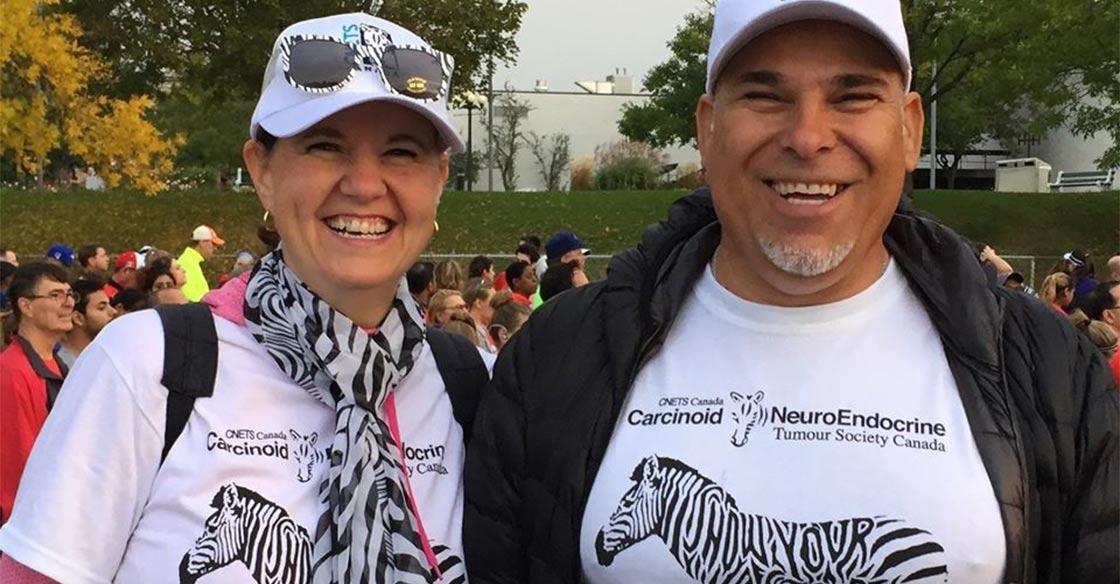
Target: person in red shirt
{"type": "Point", "coordinates": [522, 280]}
{"type": "Point", "coordinates": [126, 276]}
{"type": "Point", "coordinates": [30, 373]}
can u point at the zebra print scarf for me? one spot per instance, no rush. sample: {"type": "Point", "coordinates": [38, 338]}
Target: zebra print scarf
{"type": "Point", "coordinates": [368, 532]}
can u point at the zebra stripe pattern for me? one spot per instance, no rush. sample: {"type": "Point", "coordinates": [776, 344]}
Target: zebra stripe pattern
{"type": "Point", "coordinates": [248, 528]}
{"type": "Point", "coordinates": [367, 533]}
{"type": "Point", "coordinates": [715, 542]}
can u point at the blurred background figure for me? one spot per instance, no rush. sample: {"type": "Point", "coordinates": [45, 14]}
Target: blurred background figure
{"type": "Point", "coordinates": [443, 304]}
{"type": "Point", "coordinates": [448, 275]}
{"type": "Point", "coordinates": [1057, 291]}
{"type": "Point", "coordinates": [508, 317]}
{"type": "Point", "coordinates": [477, 295]}
{"type": "Point", "coordinates": [92, 311]}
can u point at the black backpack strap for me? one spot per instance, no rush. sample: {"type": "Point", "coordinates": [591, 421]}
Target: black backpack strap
{"type": "Point", "coordinates": [463, 372]}
{"type": "Point", "coordinates": [190, 363]}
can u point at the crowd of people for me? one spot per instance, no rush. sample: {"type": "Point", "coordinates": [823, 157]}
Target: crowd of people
{"type": "Point", "coordinates": [795, 377]}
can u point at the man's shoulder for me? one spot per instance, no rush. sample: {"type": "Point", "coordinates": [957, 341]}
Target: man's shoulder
{"type": "Point", "coordinates": [190, 256]}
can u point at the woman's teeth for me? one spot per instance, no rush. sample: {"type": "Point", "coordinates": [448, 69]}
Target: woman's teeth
{"type": "Point", "coordinates": [361, 228]}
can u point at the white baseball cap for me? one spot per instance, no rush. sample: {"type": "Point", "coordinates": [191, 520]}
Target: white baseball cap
{"type": "Point", "coordinates": [206, 233]}
{"type": "Point", "coordinates": [737, 22]}
{"type": "Point", "coordinates": [284, 110]}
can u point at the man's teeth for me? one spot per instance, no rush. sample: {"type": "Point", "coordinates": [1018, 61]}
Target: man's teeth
{"type": "Point", "coordinates": [359, 227]}
{"type": "Point", "coordinates": [788, 189]}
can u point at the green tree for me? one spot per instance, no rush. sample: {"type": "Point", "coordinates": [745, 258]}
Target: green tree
{"type": "Point", "coordinates": [674, 86]}
{"type": "Point", "coordinates": [205, 58]}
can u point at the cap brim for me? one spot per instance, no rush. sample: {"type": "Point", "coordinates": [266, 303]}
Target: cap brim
{"type": "Point", "coordinates": [585, 251]}
{"type": "Point", "coordinates": [789, 12]}
{"type": "Point", "coordinates": [217, 240]}
{"type": "Point", "coordinates": [293, 120]}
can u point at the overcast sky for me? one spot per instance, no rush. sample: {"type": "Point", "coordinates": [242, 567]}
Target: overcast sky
{"type": "Point", "coordinates": [564, 41]}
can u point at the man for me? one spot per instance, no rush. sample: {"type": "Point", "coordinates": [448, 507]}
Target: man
{"type": "Point", "coordinates": [92, 311]}
{"type": "Point", "coordinates": [421, 282]}
{"type": "Point", "coordinates": [565, 247]}
{"type": "Point", "coordinates": [126, 276]}
{"type": "Point", "coordinates": [205, 242]}
{"type": "Point", "coordinates": [561, 276]}
{"type": "Point", "coordinates": [791, 379]}
{"type": "Point", "coordinates": [61, 253]}
{"type": "Point", "coordinates": [481, 267]}
{"type": "Point", "coordinates": [30, 373]}
{"type": "Point", "coordinates": [1114, 268]}
{"type": "Point", "coordinates": [1103, 304]}
{"type": "Point", "coordinates": [94, 261]}
{"type": "Point", "coordinates": [522, 279]}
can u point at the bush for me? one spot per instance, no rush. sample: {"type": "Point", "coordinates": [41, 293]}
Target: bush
{"type": "Point", "coordinates": [627, 174]}
{"type": "Point", "coordinates": [582, 174]}
{"type": "Point", "coordinates": [627, 165]}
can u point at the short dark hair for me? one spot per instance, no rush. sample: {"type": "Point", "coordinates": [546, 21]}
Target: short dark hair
{"type": "Point", "coordinates": [531, 239]}
{"type": "Point", "coordinates": [478, 265]}
{"type": "Point", "coordinates": [557, 278]}
{"type": "Point", "coordinates": [419, 276]}
{"type": "Point", "coordinates": [84, 287]}
{"type": "Point", "coordinates": [27, 277]}
{"type": "Point", "coordinates": [87, 252]}
{"type": "Point", "coordinates": [1096, 301]}
{"type": "Point", "coordinates": [515, 270]}
{"type": "Point", "coordinates": [130, 300]}
{"type": "Point", "coordinates": [533, 251]}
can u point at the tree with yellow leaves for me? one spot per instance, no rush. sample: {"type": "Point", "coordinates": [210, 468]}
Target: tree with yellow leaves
{"type": "Point", "coordinates": [45, 103]}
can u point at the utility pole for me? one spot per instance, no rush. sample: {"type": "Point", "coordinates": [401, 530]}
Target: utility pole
{"type": "Point", "coordinates": [490, 129]}
{"type": "Point", "coordinates": [933, 134]}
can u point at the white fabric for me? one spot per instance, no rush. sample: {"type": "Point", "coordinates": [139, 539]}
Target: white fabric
{"type": "Point", "coordinates": [751, 493]}
{"type": "Point", "coordinates": [285, 111]}
{"type": "Point", "coordinates": [93, 508]}
{"type": "Point", "coordinates": [737, 22]}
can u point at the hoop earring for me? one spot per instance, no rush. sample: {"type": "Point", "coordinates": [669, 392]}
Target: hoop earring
{"type": "Point", "coordinates": [436, 223]}
{"type": "Point", "coordinates": [265, 219]}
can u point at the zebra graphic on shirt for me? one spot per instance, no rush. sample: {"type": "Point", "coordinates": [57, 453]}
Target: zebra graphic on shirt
{"type": "Point", "coordinates": [745, 414]}
{"type": "Point", "coordinates": [248, 528]}
{"type": "Point", "coordinates": [715, 542]}
{"type": "Point", "coordinates": [305, 454]}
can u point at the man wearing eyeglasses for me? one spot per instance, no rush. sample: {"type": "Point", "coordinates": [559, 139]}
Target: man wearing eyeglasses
{"type": "Point", "coordinates": [30, 371]}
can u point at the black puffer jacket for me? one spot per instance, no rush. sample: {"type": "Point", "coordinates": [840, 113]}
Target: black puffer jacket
{"type": "Point", "coordinates": [1040, 401]}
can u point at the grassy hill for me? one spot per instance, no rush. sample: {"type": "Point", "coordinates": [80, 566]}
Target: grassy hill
{"type": "Point", "coordinates": [1043, 225]}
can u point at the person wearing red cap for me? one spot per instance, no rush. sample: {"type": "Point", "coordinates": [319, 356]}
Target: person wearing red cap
{"type": "Point", "coordinates": [206, 242]}
{"type": "Point", "coordinates": [125, 276]}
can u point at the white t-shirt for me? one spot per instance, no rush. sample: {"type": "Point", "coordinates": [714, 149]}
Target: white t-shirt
{"type": "Point", "coordinates": [821, 444]}
{"type": "Point", "coordinates": [94, 504]}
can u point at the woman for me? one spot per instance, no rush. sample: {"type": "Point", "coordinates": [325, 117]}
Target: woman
{"type": "Point", "coordinates": [477, 295]}
{"type": "Point", "coordinates": [449, 276]}
{"type": "Point", "coordinates": [1057, 291]}
{"type": "Point", "coordinates": [162, 274]}
{"type": "Point", "coordinates": [295, 469]}
{"type": "Point", "coordinates": [443, 305]}
{"type": "Point", "coordinates": [508, 317]}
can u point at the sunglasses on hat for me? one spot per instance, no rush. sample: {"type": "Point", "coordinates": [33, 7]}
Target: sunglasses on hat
{"type": "Point", "coordinates": [322, 64]}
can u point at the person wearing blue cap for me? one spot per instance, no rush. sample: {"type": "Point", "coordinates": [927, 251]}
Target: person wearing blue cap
{"type": "Point", "coordinates": [61, 253]}
{"type": "Point", "coordinates": [794, 377]}
{"type": "Point", "coordinates": [564, 247]}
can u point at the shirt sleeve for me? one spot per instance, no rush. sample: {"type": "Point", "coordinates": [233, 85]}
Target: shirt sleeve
{"type": "Point", "coordinates": [88, 477]}
{"type": "Point", "coordinates": [20, 421]}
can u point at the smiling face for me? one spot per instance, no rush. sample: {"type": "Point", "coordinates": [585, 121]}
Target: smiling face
{"type": "Point", "coordinates": [806, 143]}
{"type": "Point", "coordinates": [354, 197]}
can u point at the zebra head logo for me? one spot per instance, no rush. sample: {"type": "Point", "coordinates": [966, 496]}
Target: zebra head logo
{"type": "Point", "coordinates": [305, 454]}
{"type": "Point", "coordinates": [745, 413]}
{"type": "Point", "coordinates": [637, 516]}
{"type": "Point", "coordinates": [253, 530]}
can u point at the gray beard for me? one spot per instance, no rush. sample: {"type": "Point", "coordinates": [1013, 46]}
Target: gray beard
{"type": "Point", "coordinates": [805, 262]}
